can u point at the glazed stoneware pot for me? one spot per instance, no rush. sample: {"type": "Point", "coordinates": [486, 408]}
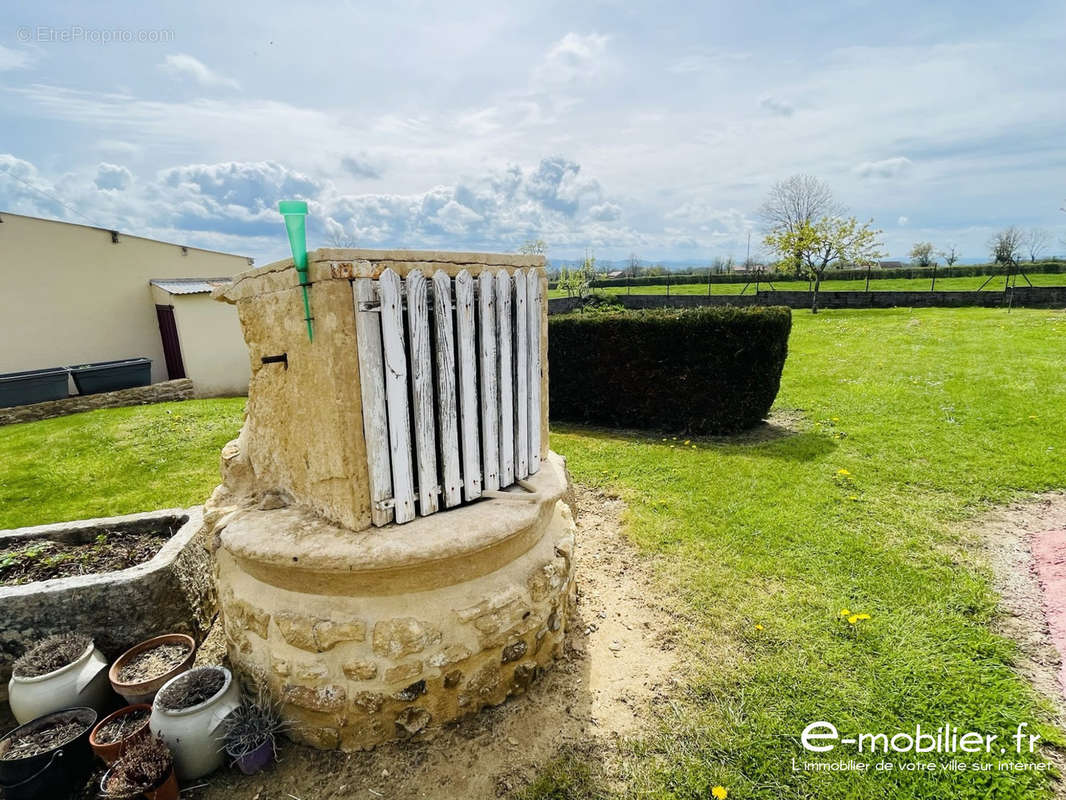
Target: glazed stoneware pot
{"type": "Point", "coordinates": [110, 752]}
{"type": "Point", "coordinates": [254, 760]}
{"type": "Point", "coordinates": [52, 774]}
{"type": "Point", "coordinates": [192, 733]}
{"type": "Point", "coordinates": [144, 691]}
{"type": "Point", "coordinates": [82, 683]}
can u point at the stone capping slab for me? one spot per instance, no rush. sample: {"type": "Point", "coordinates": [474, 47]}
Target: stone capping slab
{"type": "Point", "coordinates": [163, 392]}
{"type": "Point", "coordinates": [447, 546]}
{"type": "Point", "coordinates": [331, 263]}
{"type": "Point", "coordinates": [186, 523]}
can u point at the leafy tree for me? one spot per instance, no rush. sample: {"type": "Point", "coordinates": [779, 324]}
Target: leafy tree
{"type": "Point", "coordinates": [533, 247]}
{"type": "Point", "coordinates": [951, 255]}
{"type": "Point", "coordinates": [1006, 247]}
{"type": "Point", "coordinates": [796, 202]}
{"type": "Point", "coordinates": [830, 242]}
{"type": "Point", "coordinates": [923, 254]}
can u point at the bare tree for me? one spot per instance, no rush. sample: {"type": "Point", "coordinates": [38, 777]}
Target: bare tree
{"type": "Point", "coordinates": [1006, 247]}
{"type": "Point", "coordinates": [533, 247]}
{"type": "Point", "coordinates": [795, 203]}
{"type": "Point", "coordinates": [1036, 242]}
{"type": "Point", "coordinates": [951, 255]}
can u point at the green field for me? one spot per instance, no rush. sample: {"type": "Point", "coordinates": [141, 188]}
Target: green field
{"type": "Point", "coordinates": [893, 428]}
{"type": "Point", "coordinates": [880, 285]}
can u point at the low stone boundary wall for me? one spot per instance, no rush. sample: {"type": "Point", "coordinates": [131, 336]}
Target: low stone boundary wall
{"type": "Point", "coordinates": [181, 389]}
{"type": "Point", "coordinates": [1023, 297]}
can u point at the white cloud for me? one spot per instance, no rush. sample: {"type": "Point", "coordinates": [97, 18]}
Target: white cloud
{"type": "Point", "coordinates": [886, 168]}
{"type": "Point", "coordinates": [11, 59]}
{"type": "Point", "coordinates": [776, 106]}
{"type": "Point", "coordinates": [605, 212]}
{"type": "Point", "coordinates": [112, 176]}
{"type": "Point", "coordinates": [573, 59]}
{"type": "Point", "coordinates": [182, 65]}
{"type": "Point", "coordinates": [707, 62]}
{"type": "Point", "coordinates": [902, 221]}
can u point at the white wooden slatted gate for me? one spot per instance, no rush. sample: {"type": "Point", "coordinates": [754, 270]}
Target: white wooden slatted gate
{"type": "Point", "coordinates": [450, 373]}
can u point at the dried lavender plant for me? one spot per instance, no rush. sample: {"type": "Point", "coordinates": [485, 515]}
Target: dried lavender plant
{"type": "Point", "coordinates": [251, 725]}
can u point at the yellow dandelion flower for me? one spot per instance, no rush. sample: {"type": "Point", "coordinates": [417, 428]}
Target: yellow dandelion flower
{"type": "Point", "coordinates": [758, 627]}
{"type": "Point", "coordinates": [843, 472]}
{"type": "Point", "coordinates": [853, 619]}
{"type": "Point", "coordinates": [688, 441]}
{"type": "Point", "coordinates": [861, 617]}
{"type": "Point", "coordinates": [854, 497]}
{"type": "Point", "coordinates": [836, 419]}
{"type": "Point", "coordinates": [845, 613]}
{"type": "Point", "coordinates": [719, 793]}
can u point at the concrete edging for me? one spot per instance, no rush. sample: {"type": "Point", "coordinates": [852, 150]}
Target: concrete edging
{"type": "Point", "coordinates": [166, 391]}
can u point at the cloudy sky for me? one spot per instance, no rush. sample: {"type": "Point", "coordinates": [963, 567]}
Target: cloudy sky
{"type": "Point", "coordinates": [628, 127]}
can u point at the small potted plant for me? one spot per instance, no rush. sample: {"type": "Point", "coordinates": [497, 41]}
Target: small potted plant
{"type": "Point", "coordinates": [138, 673]}
{"type": "Point", "coordinates": [187, 713]}
{"type": "Point", "coordinates": [147, 769]}
{"type": "Point", "coordinates": [249, 734]}
{"type": "Point", "coordinates": [62, 671]}
{"type": "Point", "coordinates": [115, 733]}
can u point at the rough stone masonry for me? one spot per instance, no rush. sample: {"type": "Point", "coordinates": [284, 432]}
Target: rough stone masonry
{"type": "Point", "coordinates": [368, 634]}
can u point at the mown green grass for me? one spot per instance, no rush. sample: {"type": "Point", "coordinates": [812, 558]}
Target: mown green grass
{"type": "Point", "coordinates": [964, 283]}
{"type": "Point", "coordinates": [935, 415]}
{"type": "Point", "coordinates": [113, 461]}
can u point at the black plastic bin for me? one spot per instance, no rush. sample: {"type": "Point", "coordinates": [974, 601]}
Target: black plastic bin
{"type": "Point", "coordinates": [108, 376]}
{"type": "Point", "coordinates": [33, 386]}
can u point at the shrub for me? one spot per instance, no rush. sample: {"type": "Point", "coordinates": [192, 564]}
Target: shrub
{"type": "Point", "coordinates": [702, 370]}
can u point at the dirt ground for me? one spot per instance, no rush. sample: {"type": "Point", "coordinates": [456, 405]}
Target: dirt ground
{"type": "Point", "coordinates": [619, 659]}
{"type": "Point", "coordinates": [1013, 542]}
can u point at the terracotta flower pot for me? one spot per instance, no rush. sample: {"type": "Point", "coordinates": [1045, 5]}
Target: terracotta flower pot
{"type": "Point", "coordinates": [144, 691]}
{"type": "Point", "coordinates": [167, 790]}
{"type": "Point", "coordinates": [110, 752]}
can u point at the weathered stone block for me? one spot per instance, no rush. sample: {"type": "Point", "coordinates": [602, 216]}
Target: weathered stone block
{"type": "Point", "coordinates": [324, 699]}
{"type": "Point", "coordinates": [357, 670]}
{"type": "Point", "coordinates": [298, 630]}
{"type": "Point", "coordinates": [369, 702]}
{"type": "Point", "coordinates": [328, 633]}
{"type": "Point", "coordinates": [403, 672]}
{"type": "Point", "coordinates": [513, 651]}
{"type": "Point", "coordinates": [405, 636]}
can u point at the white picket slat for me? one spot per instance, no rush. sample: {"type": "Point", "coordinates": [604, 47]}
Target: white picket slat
{"type": "Point", "coordinates": [422, 392]}
{"type": "Point", "coordinates": [521, 373]}
{"type": "Point", "coordinates": [506, 376]}
{"type": "Point", "coordinates": [490, 407]}
{"type": "Point", "coordinates": [447, 415]}
{"type": "Point", "coordinates": [467, 347]}
{"type": "Point", "coordinates": [534, 300]}
{"type": "Point", "coordinates": [372, 388]}
{"type": "Point", "coordinates": [395, 357]}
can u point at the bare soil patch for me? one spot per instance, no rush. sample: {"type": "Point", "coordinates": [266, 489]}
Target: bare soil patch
{"type": "Point", "coordinates": [1009, 541]}
{"type": "Point", "coordinates": [618, 663]}
{"type": "Point", "coordinates": [152, 663]}
{"type": "Point", "coordinates": [43, 559]}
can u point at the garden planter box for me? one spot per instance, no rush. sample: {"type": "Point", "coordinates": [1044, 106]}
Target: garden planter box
{"type": "Point", "coordinates": [109, 376]}
{"type": "Point", "coordinates": [33, 386]}
{"type": "Point", "coordinates": [170, 592]}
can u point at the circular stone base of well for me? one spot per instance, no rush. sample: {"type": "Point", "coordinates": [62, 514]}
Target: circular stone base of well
{"type": "Point", "coordinates": [366, 637]}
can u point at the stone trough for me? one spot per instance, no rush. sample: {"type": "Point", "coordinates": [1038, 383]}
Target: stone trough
{"type": "Point", "coordinates": [368, 621]}
{"type": "Point", "coordinates": [170, 593]}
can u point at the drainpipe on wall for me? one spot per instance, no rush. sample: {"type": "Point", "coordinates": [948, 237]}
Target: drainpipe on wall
{"type": "Point", "coordinates": [295, 213]}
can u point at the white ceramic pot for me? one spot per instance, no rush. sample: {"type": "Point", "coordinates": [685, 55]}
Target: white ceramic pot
{"type": "Point", "coordinates": [192, 733]}
{"type": "Point", "coordinates": [81, 683]}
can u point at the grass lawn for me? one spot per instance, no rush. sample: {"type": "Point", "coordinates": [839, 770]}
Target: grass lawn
{"type": "Point", "coordinates": [934, 415]}
{"type": "Point", "coordinates": [903, 424]}
{"type": "Point", "coordinates": [885, 284]}
{"type": "Point", "coordinates": [113, 461]}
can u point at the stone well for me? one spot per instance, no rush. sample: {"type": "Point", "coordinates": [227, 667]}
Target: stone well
{"type": "Point", "coordinates": [368, 631]}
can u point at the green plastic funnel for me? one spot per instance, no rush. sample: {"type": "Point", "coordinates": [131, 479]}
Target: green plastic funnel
{"type": "Point", "coordinates": [295, 213]}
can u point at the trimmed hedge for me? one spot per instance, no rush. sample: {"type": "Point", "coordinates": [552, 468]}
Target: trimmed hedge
{"type": "Point", "coordinates": [1048, 267]}
{"type": "Point", "coordinates": [699, 370]}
